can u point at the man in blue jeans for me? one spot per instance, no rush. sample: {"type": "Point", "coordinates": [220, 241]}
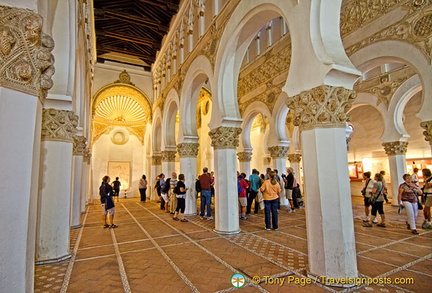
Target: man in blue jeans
{"type": "Point", "coordinates": [205, 182]}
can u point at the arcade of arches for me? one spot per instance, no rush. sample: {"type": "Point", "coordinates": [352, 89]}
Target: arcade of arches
{"type": "Point", "coordinates": [329, 88]}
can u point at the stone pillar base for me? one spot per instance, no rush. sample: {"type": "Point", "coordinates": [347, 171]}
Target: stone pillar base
{"type": "Point", "coordinates": [53, 260]}
{"type": "Point", "coordinates": [227, 232]}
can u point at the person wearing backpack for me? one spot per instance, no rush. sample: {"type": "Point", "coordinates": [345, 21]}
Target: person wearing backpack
{"type": "Point", "coordinates": [106, 193]}
{"type": "Point", "coordinates": [242, 187]}
{"type": "Point", "coordinates": [165, 189]}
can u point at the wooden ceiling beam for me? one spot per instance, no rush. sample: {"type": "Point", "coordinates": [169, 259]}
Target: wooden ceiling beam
{"type": "Point", "coordinates": [162, 4]}
{"type": "Point", "coordinates": [102, 49]}
{"type": "Point", "coordinates": [133, 19]}
{"type": "Point", "coordinates": [128, 38]}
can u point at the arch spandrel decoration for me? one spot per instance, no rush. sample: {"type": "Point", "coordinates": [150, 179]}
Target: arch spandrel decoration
{"type": "Point", "coordinates": [120, 104]}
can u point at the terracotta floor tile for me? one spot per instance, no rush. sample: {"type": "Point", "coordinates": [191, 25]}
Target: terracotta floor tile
{"type": "Point", "coordinates": [191, 252]}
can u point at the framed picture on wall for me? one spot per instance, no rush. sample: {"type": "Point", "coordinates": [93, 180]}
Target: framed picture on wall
{"type": "Point", "coordinates": [122, 170]}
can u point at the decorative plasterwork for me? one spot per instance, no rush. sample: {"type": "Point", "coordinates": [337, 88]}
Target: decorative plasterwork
{"type": "Point", "coordinates": [414, 28]}
{"type": "Point", "coordinates": [120, 104]}
{"type": "Point", "coordinates": [207, 46]}
{"type": "Point", "coordinates": [356, 14]}
{"type": "Point", "coordinates": [322, 106]}
{"type": "Point", "coordinates": [384, 85]}
{"type": "Point", "coordinates": [168, 156]}
{"type": "Point", "coordinates": [58, 125]}
{"type": "Point", "coordinates": [79, 146]}
{"type": "Point", "coordinates": [156, 160]}
{"type": "Point", "coordinates": [278, 151]}
{"type": "Point", "coordinates": [188, 150]}
{"type": "Point", "coordinates": [294, 158]}
{"type": "Point", "coordinates": [87, 155]}
{"type": "Point", "coordinates": [244, 156]}
{"type": "Point", "coordinates": [26, 62]}
{"type": "Point", "coordinates": [427, 126]}
{"type": "Point", "coordinates": [225, 137]}
{"type": "Point", "coordinates": [124, 77]}
{"type": "Point", "coordinates": [260, 122]}
{"type": "Point", "coordinates": [264, 78]}
{"type": "Point", "coordinates": [395, 147]}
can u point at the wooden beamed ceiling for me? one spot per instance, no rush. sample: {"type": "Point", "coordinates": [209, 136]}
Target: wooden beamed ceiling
{"type": "Point", "coordinates": [132, 28]}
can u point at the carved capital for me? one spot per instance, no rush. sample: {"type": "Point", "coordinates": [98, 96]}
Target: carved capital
{"type": "Point", "coordinates": [168, 156]}
{"type": "Point", "coordinates": [156, 160]}
{"type": "Point", "coordinates": [322, 106]}
{"type": "Point", "coordinates": [427, 126]}
{"type": "Point", "coordinates": [79, 146]}
{"type": "Point", "coordinates": [278, 151]}
{"type": "Point", "coordinates": [294, 158]}
{"type": "Point", "coordinates": [25, 52]}
{"type": "Point", "coordinates": [395, 147]}
{"type": "Point", "coordinates": [244, 156]}
{"type": "Point", "coordinates": [58, 125]}
{"type": "Point", "coordinates": [87, 155]}
{"type": "Point", "coordinates": [225, 137]}
{"type": "Point", "coordinates": [188, 150]}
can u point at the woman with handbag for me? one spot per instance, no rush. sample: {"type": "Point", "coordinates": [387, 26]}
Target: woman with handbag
{"type": "Point", "coordinates": [407, 198]}
{"type": "Point", "coordinates": [377, 200]}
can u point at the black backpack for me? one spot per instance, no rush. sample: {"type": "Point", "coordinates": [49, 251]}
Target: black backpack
{"type": "Point", "coordinates": [197, 186]}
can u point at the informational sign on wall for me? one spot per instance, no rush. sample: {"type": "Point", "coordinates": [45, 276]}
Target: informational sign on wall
{"type": "Point", "coordinates": [121, 170]}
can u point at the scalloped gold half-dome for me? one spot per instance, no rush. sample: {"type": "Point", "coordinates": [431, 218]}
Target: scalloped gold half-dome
{"type": "Point", "coordinates": [120, 109]}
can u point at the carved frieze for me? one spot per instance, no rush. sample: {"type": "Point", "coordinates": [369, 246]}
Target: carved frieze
{"type": "Point", "coordinates": [168, 156]}
{"type": "Point", "coordinates": [79, 146]}
{"type": "Point", "coordinates": [322, 106]}
{"type": "Point", "coordinates": [225, 137]}
{"type": "Point", "coordinates": [294, 158]}
{"type": "Point", "coordinates": [58, 125]}
{"type": "Point", "coordinates": [26, 62]}
{"type": "Point", "coordinates": [414, 28]}
{"type": "Point", "coordinates": [244, 156]}
{"type": "Point", "coordinates": [395, 147]}
{"type": "Point", "coordinates": [188, 150]}
{"type": "Point", "coordinates": [278, 151]}
{"type": "Point", "coordinates": [385, 85]}
{"type": "Point", "coordinates": [427, 126]}
{"type": "Point", "coordinates": [156, 160]}
{"type": "Point", "coordinates": [356, 14]}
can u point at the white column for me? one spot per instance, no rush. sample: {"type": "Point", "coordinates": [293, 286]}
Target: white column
{"type": "Point", "coordinates": [85, 182]}
{"type": "Point", "coordinates": [76, 192]}
{"type": "Point", "coordinates": [156, 169]}
{"type": "Point", "coordinates": [55, 204]}
{"type": "Point", "coordinates": [21, 97]}
{"type": "Point", "coordinates": [20, 155]}
{"type": "Point", "coordinates": [329, 217]}
{"type": "Point", "coordinates": [168, 162]}
{"type": "Point", "coordinates": [224, 141]}
{"type": "Point", "coordinates": [188, 153]}
{"type": "Point", "coordinates": [279, 154]}
{"type": "Point", "coordinates": [245, 159]}
{"type": "Point", "coordinates": [397, 162]}
{"type": "Point", "coordinates": [79, 150]}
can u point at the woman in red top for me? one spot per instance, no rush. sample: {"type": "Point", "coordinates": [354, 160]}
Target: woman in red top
{"type": "Point", "coordinates": [242, 187]}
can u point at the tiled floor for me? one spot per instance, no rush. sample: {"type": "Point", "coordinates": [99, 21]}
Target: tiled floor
{"type": "Point", "coordinates": [149, 252]}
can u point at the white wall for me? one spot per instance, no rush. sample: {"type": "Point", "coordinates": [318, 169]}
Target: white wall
{"type": "Point", "coordinates": [104, 150]}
